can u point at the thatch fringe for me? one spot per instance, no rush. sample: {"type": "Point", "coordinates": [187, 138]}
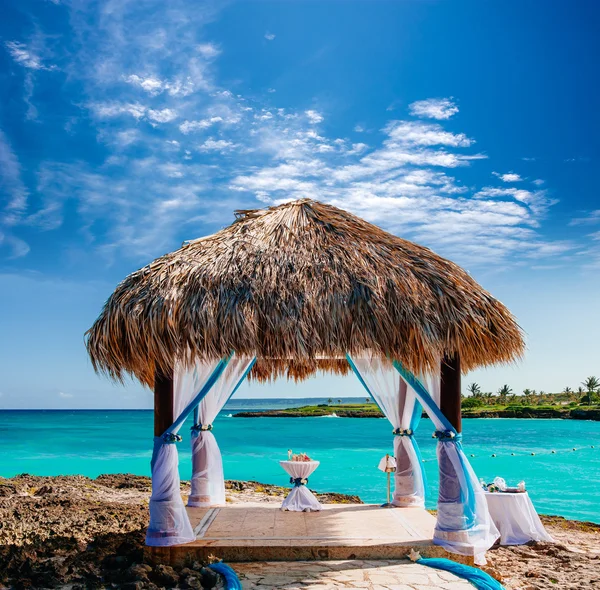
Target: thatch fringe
{"type": "Point", "coordinates": [294, 284]}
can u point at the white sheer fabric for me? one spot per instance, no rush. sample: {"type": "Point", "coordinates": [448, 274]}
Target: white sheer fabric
{"type": "Point", "coordinates": [208, 484]}
{"type": "Point", "coordinates": [169, 523]}
{"type": "Point", "coordinates": [397, 401]}
{"type": "Point", "coordinates": [300, 499]}
{"type": "Point", "coordinates": [463, 524]}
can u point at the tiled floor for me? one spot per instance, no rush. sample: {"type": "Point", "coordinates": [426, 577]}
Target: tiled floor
{"type": "Point", "coordinates": [347, 575]}
{"type": "Point", "coordinates": [336, 524]}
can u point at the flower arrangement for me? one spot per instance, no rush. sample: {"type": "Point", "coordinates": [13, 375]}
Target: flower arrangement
{"type": "Point", "coordinates": [444, 434]}
{"type": "Point", "coordinates": [170, 438]}
{"type": "Point", "coordinates": [499, 485]}
{"type": "Point", "coordinates": [298, 456]}
{"type": "Point", "coordinates": [403, 432]}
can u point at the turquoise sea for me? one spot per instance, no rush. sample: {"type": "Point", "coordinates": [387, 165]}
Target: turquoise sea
{"type": "Point", "coordinates": [92, 442]}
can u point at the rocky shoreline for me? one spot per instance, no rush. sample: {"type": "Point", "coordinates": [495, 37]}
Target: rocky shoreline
{"type": "Point", "coordinates": [74, 532]}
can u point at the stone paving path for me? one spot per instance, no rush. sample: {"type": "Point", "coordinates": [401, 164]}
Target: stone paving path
{"type": "Point", "coordinates": [347, 575]}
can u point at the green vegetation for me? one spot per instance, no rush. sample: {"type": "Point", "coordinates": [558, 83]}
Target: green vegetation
{"type": "Point", "coordinates": [505, 398]}
{"type": "Point", "coordinates": [360, 410]}
{"type": "Point", "coordinates": [583, 404]}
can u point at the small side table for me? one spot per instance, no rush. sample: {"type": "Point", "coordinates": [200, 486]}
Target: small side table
{"type": "Point", "coordinates": [516, 518]}
{"type": "Point", "coordinates": [300, 499]}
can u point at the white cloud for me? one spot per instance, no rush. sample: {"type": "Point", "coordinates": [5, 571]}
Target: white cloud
{"type": "Point", "coordinates": [219, 145]}
{"type": "Point", "coordinates": [109, 110]}
{"type": "Point", "coordinates": [359, 129]}
{"type": "Point", "coordinates": [208, 50]}
{"type": "Point", "coordinates": [314, 117]}
{"type": "Point", "coordinates": [269, 36]}
{"type": "Point", "coordinates": [26, 57]}
{"type": "Point", "coordinates": [12, 187]}
{"type": "Point", "coordinates": [433, 108]}
{"type": "Point", "coordinates": [64, 395]}
{"type": "Point", "coordinates": [538, 182]}
{"type": "Point", "coordinates": [424, 134]}
{"type": "Point", "coordinates": [357, 148]}
{"type": "Point", "coordinates": [191, 126]}
{"type": "Point", "coordinates": [162, 116]}
{"type": "Point", "coordinates": [150, 84]}
{"type": "Point", "coordinates": [537, 200]}
{"type": "Point", "coordinates": [591, 218]}
{"type": "Point", "coordinates": [508, 177]}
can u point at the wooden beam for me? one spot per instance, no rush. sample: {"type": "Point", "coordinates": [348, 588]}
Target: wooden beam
{"type": "Point", "coordinates": [450, 390]}
{"type": "Point", "coordinates": [163, 401]}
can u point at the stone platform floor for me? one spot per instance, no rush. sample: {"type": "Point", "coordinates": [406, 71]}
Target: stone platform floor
{"type": "Point", "coordinates": [345, 575]}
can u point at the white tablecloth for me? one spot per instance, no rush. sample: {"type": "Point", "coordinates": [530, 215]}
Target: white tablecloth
{"type": "Point", "coordinates": [300, 499]}
{"type": "Point", "coordinates": [516, 518]}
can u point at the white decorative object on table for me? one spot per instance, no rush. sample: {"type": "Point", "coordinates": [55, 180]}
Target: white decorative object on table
{"type": "Point", "coordinates": [300, 499]}
{"type": "Point", "coordinates": [516, 518]}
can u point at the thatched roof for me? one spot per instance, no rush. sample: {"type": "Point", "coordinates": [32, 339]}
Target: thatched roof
{"type": "Point", "coordinates": [296, 285]}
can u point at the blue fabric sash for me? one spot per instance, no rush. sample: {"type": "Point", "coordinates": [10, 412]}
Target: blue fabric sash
{"type": "Point", "coordinates": [298, 481]}
{"type": "Point", "coordinates": [469, 502]}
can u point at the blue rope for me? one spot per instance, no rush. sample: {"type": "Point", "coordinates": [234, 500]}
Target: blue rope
{"type": "Point", "coordinates": [232, 582]}
{"type": "Point", "coordinates": [475, 576]}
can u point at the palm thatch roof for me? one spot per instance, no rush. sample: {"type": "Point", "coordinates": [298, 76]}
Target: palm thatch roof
{"type": "Point", "coordinates": [299, 285]}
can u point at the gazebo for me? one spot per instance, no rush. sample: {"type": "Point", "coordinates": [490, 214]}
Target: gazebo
{"type": "Point", "coordinates": [293, 290]}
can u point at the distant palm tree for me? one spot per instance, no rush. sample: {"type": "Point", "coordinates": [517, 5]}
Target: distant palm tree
{"type": "Point", "coordinates": [567, 390]}
{"type": "Point", "coordinates": [503, 393]}
{"type": "Point", "coordinates": [591, 384]}
{"type": "Point", "coordinates": [329, 401]}
{"type": "Point", "coordinates": [528, 394]}
{"type": "Point", "coordinates": [339, 401]}
{"type": "Point", "coordinates": [367, 400]}
{"type": "Point", "coordinates": [474, 389]}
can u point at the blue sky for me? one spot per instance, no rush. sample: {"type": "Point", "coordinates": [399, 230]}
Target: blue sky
{"type": "Point", "coordinates": [127, 127]}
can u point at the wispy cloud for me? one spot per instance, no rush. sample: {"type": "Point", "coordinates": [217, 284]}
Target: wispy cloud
{"type": "Point", "coordinates": [434, 108]}
{"type": "Point", "coordinates": [269, 36]}
{"type": "Point", "coordinates": [178, 150]}
{"type": "Point", "coordinates": [14, 195]}
{"type": "Point", "coordinates": [590, 218]}
{"type": "Point", "coordinates": [26, 56]}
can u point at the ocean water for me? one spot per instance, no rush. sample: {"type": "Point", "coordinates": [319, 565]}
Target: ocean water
{"type": "Point", "coordinates": [90, 443]}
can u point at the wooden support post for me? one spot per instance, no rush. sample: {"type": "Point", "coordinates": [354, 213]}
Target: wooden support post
{"type": "Point", "coordinates": [163, 401]}
{"type": "Point", "coordinates": [450, 390]}
{"type": "Point", "coordinates": [450, 407]}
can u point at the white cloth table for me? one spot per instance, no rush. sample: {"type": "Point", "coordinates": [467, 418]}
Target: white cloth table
{"type": "Point", "coordinates": [300, 499]}
{"type": "Point", "coordinates": [516, 518]}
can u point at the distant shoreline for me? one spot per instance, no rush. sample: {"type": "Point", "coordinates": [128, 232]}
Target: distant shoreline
{"type": "Point", "coordinates": [372, 411]}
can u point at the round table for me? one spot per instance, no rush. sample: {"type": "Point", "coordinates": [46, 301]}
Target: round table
{"type": "Point", "coordinates": [300, 499]}
{"type": "Point", "coordinates": [516, 518]}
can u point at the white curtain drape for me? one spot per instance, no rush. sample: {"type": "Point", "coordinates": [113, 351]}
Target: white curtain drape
{"type": "Point", "coordinates": [169, 523]}
{"type": "Point", "coordinates": [463, 524]}
{"type": "Point", "coordinates": [208, 483]}
{"type": "Point", "coordinates": [400, 406]}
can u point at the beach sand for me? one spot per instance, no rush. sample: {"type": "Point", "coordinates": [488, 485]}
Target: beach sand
{"type": "Point", "coordinates": [75, 532]}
